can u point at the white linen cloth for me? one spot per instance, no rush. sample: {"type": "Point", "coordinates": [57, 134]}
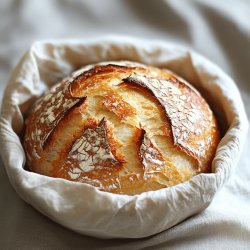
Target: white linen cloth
{"type": "Point", "coordinates": [81, 207]}
{"type": "Point", "coordinates": [216, 216]}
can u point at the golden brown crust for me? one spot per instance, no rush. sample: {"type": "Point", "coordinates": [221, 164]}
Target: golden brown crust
{"type": "Point", "coordinates": [125, 128]}
{"type": "Point", "coordinates": [120, 107]}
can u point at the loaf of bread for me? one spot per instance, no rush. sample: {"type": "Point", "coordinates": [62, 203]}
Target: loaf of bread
{"type": "Point", "coordinates": [122, 127]}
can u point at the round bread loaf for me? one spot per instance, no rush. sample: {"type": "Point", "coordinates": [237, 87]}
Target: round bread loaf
{"type": "Point", "coordinates": [122, 127]}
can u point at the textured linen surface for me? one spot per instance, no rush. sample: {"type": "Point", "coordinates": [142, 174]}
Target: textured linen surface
{"type": "Point", "coordinates": [219, 31]}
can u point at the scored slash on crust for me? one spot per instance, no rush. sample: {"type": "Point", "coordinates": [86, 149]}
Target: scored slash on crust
{"type": "Point", "coordinates": [92, 149]}
{"type": "Point", "coordinates": [183, 115]}
{"type": "Point", "coordinates": [72, 103]}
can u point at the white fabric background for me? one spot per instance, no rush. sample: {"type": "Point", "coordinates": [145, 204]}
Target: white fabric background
{"type": "Point", "coordinates": [219, 30]}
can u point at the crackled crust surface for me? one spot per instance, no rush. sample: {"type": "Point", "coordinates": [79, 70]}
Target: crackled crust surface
{"type": "Point", "coordinates": [122, 127]}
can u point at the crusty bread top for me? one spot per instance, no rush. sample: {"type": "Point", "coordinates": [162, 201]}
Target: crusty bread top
{"type": "Point", "coordinates": [123, 127]}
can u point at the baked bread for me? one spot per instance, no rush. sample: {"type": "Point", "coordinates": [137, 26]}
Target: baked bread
{"type": "Point", "coordinates": [122, 127]}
